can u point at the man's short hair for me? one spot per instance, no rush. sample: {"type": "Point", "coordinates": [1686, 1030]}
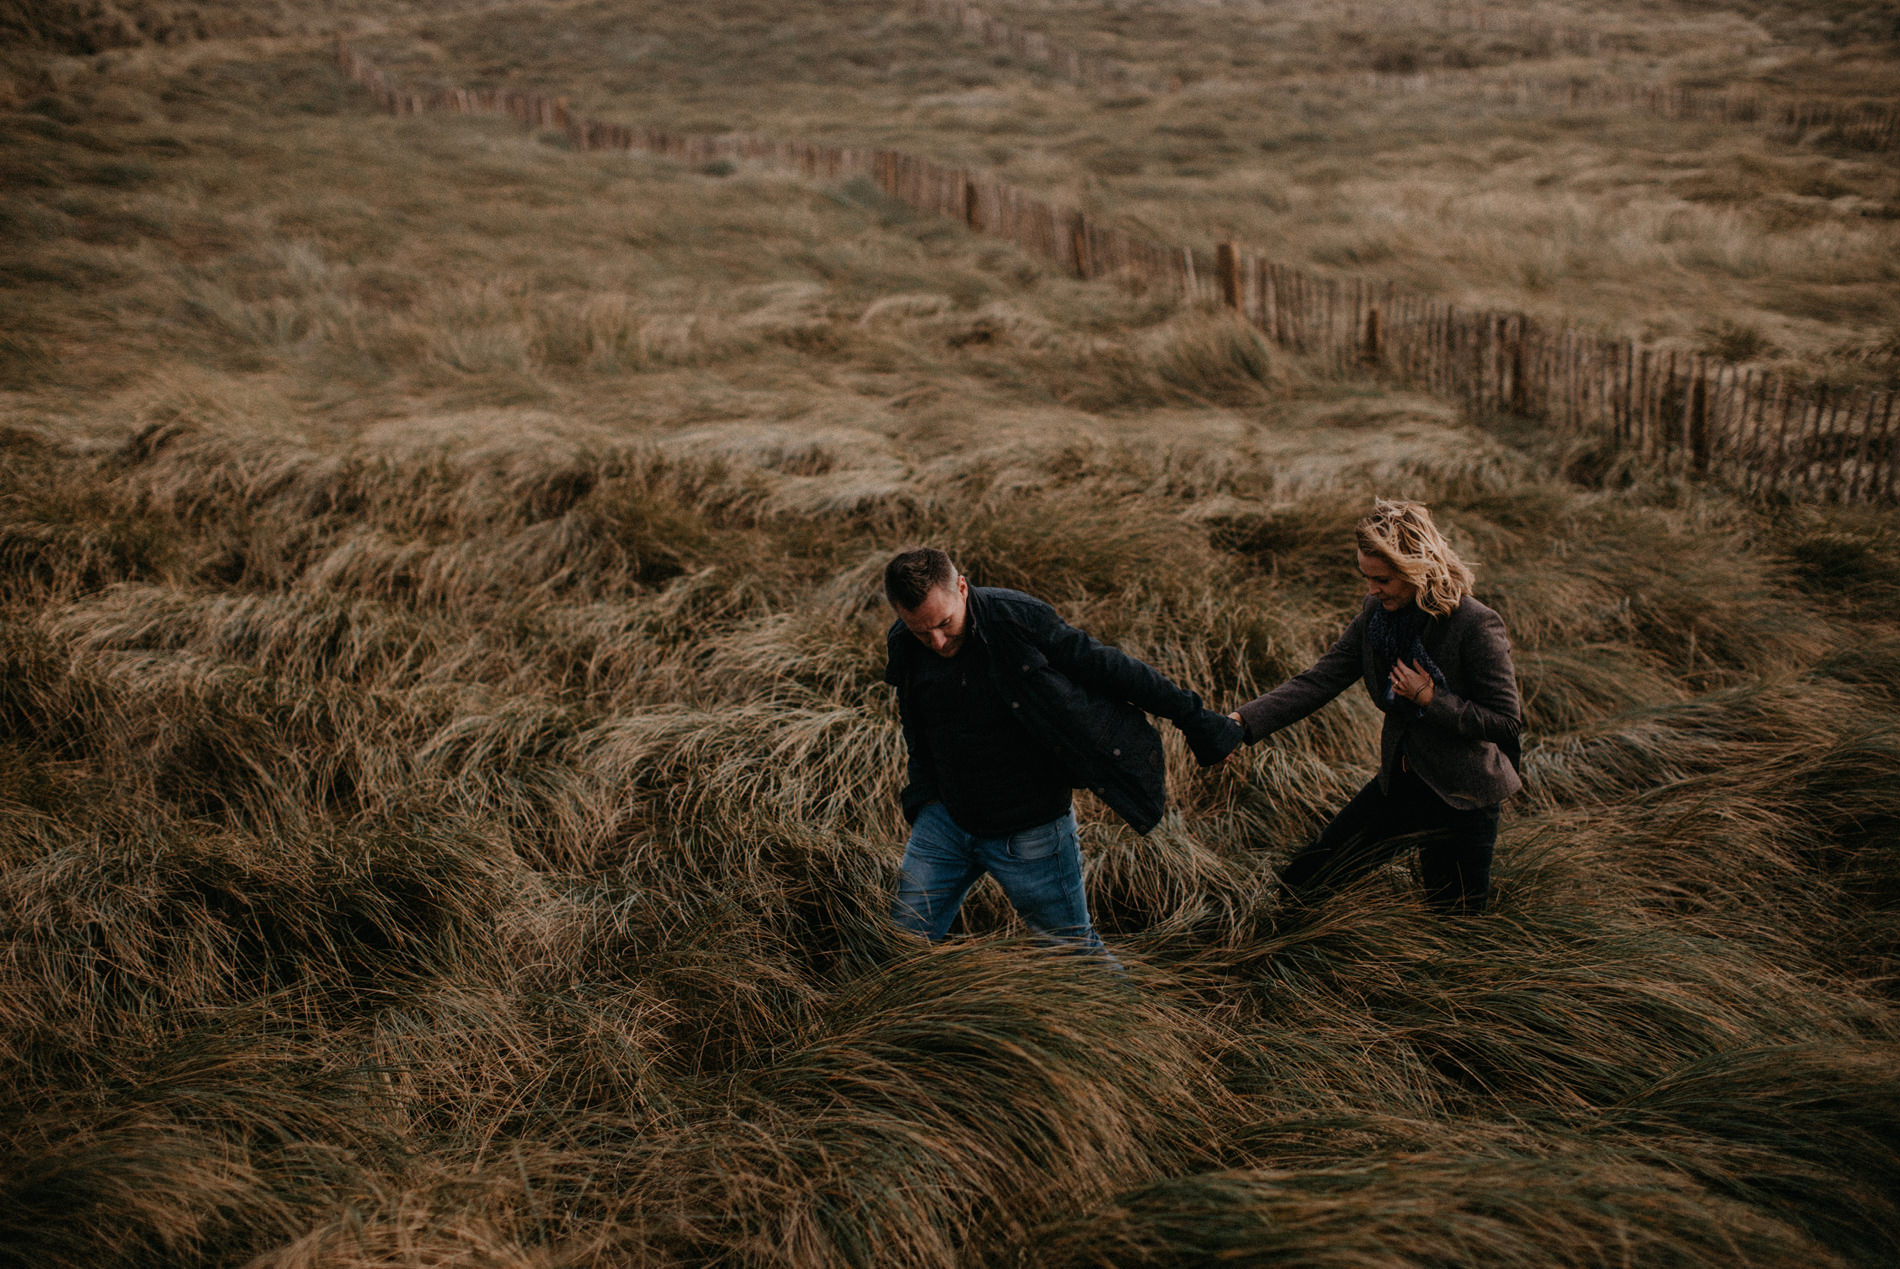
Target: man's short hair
{"type": "Point", "coordinates": [911, 575]}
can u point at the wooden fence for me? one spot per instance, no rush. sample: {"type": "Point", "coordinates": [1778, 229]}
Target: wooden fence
{"type": "Point", "coordinates": [1688, 413]}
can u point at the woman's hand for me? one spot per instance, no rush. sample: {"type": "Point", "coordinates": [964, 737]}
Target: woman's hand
{"type": "Point", "coordinates": [1412, 683]}
{"type": "Point", "coordinates": [1236, 717]}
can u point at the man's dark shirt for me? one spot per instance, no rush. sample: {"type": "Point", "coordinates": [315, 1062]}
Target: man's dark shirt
{"type": "Point", "coordinates": [993, 777]}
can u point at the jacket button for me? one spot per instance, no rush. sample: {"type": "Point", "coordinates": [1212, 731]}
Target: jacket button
{"type": "Point", "coordinates": [1117, 753]}
{"type": "Point", "coordinates": [1025, 669]}
{"type": "Point", "coordinates": [1015, 704]}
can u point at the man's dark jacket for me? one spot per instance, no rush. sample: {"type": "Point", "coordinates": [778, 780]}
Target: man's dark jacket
{"type": "Point", "coordinates": [1086, 701]}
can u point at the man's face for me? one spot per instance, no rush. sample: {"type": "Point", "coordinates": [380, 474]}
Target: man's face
{"type": "Point", "coordinates": [1384, 583]}
{"type": "Point", "coordinates": [942, 619]}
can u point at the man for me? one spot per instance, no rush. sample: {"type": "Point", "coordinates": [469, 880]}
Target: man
{"type": "Point", "coordinates": [1006, 709]}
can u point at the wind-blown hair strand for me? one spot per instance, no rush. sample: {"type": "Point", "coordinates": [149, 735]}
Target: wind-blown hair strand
{"type": "Point", "coordinates": [1403, 535]}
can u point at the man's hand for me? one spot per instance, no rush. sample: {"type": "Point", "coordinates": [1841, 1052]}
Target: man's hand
{"type": "Point", "coordinates": [1211, 736]}
{"type": "Point", "coordinates": [1412, 683]}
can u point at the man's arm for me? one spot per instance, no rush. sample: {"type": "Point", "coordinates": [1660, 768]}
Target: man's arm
{"type": "Point", "coordinates": [920, 785]}
{"type": "Point", "coordinates": [1109, 672]}
{"type": "Point", "coordinates": [1340, 667]}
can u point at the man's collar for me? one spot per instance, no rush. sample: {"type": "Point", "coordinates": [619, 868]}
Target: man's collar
{"type": "Point", "coordinates": [972, 612]}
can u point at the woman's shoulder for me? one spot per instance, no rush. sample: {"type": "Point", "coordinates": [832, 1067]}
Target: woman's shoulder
{"type": "Point", "coordinates": [1471, 608]}
{"type": "Point", "coordinates": [1473, 614]}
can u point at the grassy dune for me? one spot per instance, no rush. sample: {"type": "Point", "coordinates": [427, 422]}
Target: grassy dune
{"type": "Point", "coordinates": [1721, 238]}
{"type": "Point", "coordinates": [447, 794]}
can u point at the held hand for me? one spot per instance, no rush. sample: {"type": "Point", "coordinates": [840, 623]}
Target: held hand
{"type": "Point", "coordinates": [1248, 737]}
{"type": "Point", "coordinates": [1212, 736]}
{"type": "Point", "coordinates": [1412, 683]}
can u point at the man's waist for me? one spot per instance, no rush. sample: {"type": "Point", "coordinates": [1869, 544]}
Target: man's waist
{"type": "Point", "coordinates": [1002, 821]}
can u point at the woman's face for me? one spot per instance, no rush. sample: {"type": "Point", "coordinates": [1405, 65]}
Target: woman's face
{"type": "Point", "coordinates": [1384, 584]}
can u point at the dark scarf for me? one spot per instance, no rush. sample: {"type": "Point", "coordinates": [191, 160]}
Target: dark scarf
{"type": "Point", "coordinates": [1400, 636]}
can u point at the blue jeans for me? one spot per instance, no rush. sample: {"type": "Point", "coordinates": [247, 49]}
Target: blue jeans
{"type": "Point", "coordinates": [1040, 870]}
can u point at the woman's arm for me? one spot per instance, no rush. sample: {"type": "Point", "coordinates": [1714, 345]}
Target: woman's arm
{"type": "Point", "coordinates": [1333, 673]}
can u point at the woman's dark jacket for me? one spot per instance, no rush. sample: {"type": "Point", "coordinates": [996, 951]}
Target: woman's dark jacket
{"type": "Point", "coordinates": [1086, 701]}
{"type": "Point", "coordinates": [1464, 744]}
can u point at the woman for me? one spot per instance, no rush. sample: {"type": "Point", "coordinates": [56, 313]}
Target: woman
{"type": "Point", "coordinates": [1438, 664]}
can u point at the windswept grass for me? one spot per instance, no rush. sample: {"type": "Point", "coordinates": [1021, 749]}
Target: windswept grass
{"type": "Point", "coordinates": [447, 788]}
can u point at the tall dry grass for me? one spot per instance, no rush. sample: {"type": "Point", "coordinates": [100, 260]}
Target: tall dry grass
{"type": "Point", "coordinates": [447, 793]}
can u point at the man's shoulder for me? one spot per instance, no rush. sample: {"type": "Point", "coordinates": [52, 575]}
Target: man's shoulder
{"type": "Point", "coordinates": [898, 646]}
{"type": "Point", "coordinates": [1002, 601]}
{"type": "Point", "coordinates": [1011, 614]}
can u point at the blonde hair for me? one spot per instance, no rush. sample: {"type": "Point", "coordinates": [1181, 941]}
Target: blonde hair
{"type": "Point", "coordinates": [1403, 535]}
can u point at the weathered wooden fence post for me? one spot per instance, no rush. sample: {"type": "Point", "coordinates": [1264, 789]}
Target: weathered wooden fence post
{"type": "Point", "coordinates": [1227, 269]}
{"type": "Point", "coordinates": [1519, 393]}
{"type": "Point", "coordinates": [1079, 244]}
{"type": "Point", "coordinates": [1699, 417]}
